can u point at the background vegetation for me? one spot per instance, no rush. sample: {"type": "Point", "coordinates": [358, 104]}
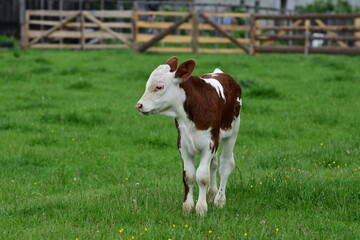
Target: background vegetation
{"type": "Point", "coordinates": [328, 6]}
{"type": "Point", "coordinates": [78, 161]}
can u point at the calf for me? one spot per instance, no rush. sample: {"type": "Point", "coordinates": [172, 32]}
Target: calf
{"type": "Point", "coordinates": [206, 110]}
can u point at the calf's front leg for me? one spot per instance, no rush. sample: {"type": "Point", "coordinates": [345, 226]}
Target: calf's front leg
{"type": "Point", "coordinates": [203, 181]}
{"type": "Point", "coordinates": [188, 179]}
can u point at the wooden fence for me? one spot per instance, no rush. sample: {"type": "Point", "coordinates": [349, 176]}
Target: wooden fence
{"type": "Point", "coordinates": [196, 32]}
{"type": "Point", "coordinates": [308, 33]}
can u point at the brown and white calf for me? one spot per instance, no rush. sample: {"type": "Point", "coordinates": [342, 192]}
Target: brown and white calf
{"type": "Point", "coordinates": [206, 110]}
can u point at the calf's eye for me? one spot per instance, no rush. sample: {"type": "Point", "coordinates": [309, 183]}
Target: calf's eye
{"type": "Point", "coordinates": [158, 88]}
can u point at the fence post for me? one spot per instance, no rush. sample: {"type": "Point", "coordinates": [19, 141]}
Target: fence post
{"type": "Point", "coordinates": [135, 30]}
{"type": "Point", "coordinates": [61, 8]}
{"type": "Point", "coordinates": [194, 32]}
{"type": "Point", "coordinates": [82, 29]}
{"type": "Point", "coordinates": [102, 7]}
{"type": "Point", "coordinates": [253, 23]}
{"type": "Point", "coordinates": [23, 19]}
{"type": "Point", "coordinates": [26, 29]}
{"type": "Point", "coordinates": [357, 33]}
{"type": "Point", "coordinates": [307, 36]}
{"type": "Point", "coordinates": [257, 31]}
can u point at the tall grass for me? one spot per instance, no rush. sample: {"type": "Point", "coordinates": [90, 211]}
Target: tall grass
{"type": "Point", "coordinates": [78, 161]}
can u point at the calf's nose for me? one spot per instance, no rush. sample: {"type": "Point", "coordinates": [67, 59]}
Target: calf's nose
{"type": "Point", "coordinates": [139, 106]}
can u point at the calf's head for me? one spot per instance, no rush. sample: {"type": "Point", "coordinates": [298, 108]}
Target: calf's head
{"type": "Point", "coordinates": [163, 93]}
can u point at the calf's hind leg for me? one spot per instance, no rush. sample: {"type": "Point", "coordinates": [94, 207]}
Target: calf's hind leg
{"type": "Point", "coordinates": [213, 186]}
{"type": "Point", "coordinates": [227, 164]}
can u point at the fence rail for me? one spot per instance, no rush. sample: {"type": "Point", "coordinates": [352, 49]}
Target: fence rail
{"type": "Point", "coordinates": [203, 32]}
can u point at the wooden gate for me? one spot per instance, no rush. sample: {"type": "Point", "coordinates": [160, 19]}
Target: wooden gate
{"type": "Point", "coordinates": [192, 32]}
{"type": "Point", "coordinates": [77, 29]}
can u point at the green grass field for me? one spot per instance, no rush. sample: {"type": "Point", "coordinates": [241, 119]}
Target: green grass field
{"type": "Point", "coordinates": [79, 162]}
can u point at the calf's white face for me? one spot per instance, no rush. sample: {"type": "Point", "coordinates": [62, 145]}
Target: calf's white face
{"type": "Point", "coordinates": [162, 94]}
{"type": "Point", "coordinates": [161, 91]}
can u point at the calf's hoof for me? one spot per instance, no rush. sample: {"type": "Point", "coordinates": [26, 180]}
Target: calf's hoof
{"type": "Point", "coordinates": [201, 208]}
{"type": "Point", "coordinates": [212, 194]}
{"type": "Point", "coordinates": [188, 207]}
{"type": "Point", "coordinates": [220, 200]}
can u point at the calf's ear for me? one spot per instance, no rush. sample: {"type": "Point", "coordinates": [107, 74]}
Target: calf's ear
{"type": "Point", "coordinates": [185, 70]}
{"type": "Point", "coordinates": [172, 62]}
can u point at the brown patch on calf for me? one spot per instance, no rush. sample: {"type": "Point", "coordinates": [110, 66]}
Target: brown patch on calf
{"type": "Point", "coordinates": [179, 136]}
{"type": "Point", "coordinates": [186, 187]}
{"type": "Point", "coordinates": [204, 182]}
{"type": "Point", "coordinates": [215, 137]}
{"type": "Point", "coordinates": [207, 109]}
